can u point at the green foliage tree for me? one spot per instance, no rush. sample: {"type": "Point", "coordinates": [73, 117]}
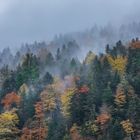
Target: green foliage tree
{"type": "Point", "coordinates": [28, 71]}
{"type": "Point", "coordinates": [133, 68]}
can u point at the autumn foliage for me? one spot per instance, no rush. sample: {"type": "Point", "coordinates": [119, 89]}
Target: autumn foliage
{"type": "Point", "coordinates": [8, 124]}
{"type": "Point", "coordinates": [37, 129]}
{"type": "Point", "coordinates": [135, 44]}
{"type": "Point", "coordinates": [48, 99]}
{"type": "Point", "coordinates": [39, 110]}
{"type": "Point", "coordinates": [84, 89]}
{"type": "Point", "coordinates": [118, 64]}
{"type": "Point", "coordinates": [61, 98]}
{"type": "Point", "coordinates": [127, 127]}
{"type": "Point", "coordinates": [103, 118]}
{"type": "Point", "coordinates": [10, 99]}
{"type": "Point", "coordinates": [89, 58]}
{"type": "Point", "coordinates": [120, 97]}
{"type": "Point", "coordinates": [93, 126]}
{"type": "Point", "coordinates": [74, 133]}
{"type": "Point", "coordinates": [66, 100]}
{"type": "Point", "coordinates": [34, 133]}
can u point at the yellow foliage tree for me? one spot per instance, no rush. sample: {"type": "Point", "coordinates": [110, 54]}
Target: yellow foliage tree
{"type": "Point", "coordinates": [58, 84]}
{"type": "Point", "coordinates": [8, 125]}
{"type": "Point", "coordinates": [23, 90]}
{"type": "Point", "coordinates": [89, 58]}
{"type": "Point", "coordinates": [127, 127]}
{"type": "Point", "coordinates": [66, 101]}
{"type": "Point", "coordinates": [118, 64]}
{"type": "Point", "coordinates": [120, 97]}
{"type": "Point", "coordinates": [48, 98]}
{"type": "Point", "coordinates": [93, 126]}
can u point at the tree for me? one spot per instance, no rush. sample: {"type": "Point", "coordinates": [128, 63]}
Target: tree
{"type": "Point", "coordinates": [5, 72]}
{"type": "Point", "coordinates": [127, 127]}
{"type": "Point", "coordinates": [10, 99]}
{"type": "Point", "coordinates": [118, 64]}
{"type": "Point", "coordinates": [47, 79]}
{"type": "Point", "coordinates": [37, 128]}
{"type": "Point", "coordinates": [39, 110]}
{"type": "Point", "coordinates": [135, 44]}
{"type": "Point", "coordinates": [9, 83]}
{"type": "Point", "coordinates": [118, 50]}
{"type": "Point", "coordinates": [49, 59]}
{"type": "Point", "coordinates": [107, 96]}
{"type": "Point", "coordinates": [64, 66]}
{"type": "Point", "coordinates": [74, 133]}
{"type": "Point", "coordinates": [58, 54]}
{"type": "Point", "coordinates": [45, 58]}
{"type": "Point", "coordinates": [133, 68]}
{"type": "Point", "coordinates": [120, 97]}
{"type": "Point", "coordinates": [48, 98]}
{"type": "Point", "coordinates": [95, 80]}
{"type": "Point", "coordinates": [28, 71]}
{"type": "Point", "coordinates": [26, 107]}
{"type": "Point", "coordinates": [89, 58]}
{"type": "Point", "coordinates": [73, 65]}
{"type": "Point", "coordinates": [66, 101]}
{"type": "Point", "coordinates": [105, 71]}
{"type": "Point", "coordinates": [84, 89]}
{"type": "Point", "coordinates": [116, 127]}
{"type": "Point", "coordinates": [103, 118]}
{"type": "Point", "coordinates": [79, 106]}
{"type": "Point", "coordinates": [23, 90]}
{"type": "Point", "coordinates": [8, 125]}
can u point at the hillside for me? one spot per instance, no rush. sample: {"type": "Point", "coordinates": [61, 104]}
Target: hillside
{"type": "Point", "coordinates": [55, 96]}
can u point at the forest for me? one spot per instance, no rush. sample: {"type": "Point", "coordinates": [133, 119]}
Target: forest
{"type": "Point", "coordinates": [56, 96]}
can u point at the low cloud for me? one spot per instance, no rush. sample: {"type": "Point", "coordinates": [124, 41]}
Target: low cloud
{"type": "Point", "coordinates": [30, 20]}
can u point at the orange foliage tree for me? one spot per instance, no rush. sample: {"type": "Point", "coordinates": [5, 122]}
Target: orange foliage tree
{"type": "Point", "coordinates": [34, 133]}
{"type": "Point", "coordinates": [103, 118]}
{"type": "Point", "coordinates": [120, 97]}
{"type": "Point", "coordinates": [10, 99]}
{"type": "Point", "coordinates": [39, 114]}
{"type": "Point", "coordinates": [37, 129]}
{"type": "Point", "coordinates": [74, 133]}
{"type": "Point", "coordinates": [135, 44]}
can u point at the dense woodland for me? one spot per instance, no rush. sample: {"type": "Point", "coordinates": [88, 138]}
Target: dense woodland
{"type": "Point", "coordinates": [48, 95]}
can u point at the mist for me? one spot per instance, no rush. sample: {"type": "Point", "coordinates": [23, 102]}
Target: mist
{"type": "Point", "coordinates": [27, 21]}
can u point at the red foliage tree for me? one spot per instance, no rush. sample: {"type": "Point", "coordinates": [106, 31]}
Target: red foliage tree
{"type": "Point", "coordinates": [84, 89]}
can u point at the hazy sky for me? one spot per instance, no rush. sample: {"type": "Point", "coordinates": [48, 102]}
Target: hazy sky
{"type": "Point", "coordinates": [30, 20]}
